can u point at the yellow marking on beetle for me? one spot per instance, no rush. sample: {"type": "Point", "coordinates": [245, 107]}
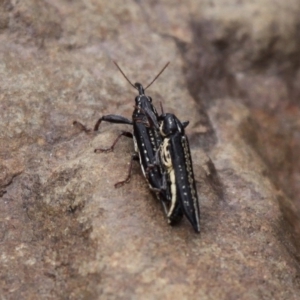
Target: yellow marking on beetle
{"type": "Point", "coordinates": [167, 162]}
{"type": "Point", "coordinates": [161, 129]}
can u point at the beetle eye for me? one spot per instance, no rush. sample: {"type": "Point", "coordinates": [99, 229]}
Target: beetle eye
{"type": "Point", "coordinates": [150, 99]}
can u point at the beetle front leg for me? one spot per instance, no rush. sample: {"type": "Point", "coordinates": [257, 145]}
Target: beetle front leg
{"type": "Point", "coordinates": [134, 156]}
{"type": "Point", "coordinates": [111, 148]}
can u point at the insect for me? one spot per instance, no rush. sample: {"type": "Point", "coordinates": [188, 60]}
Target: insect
{"type": "Point", "coordinates": [175, 156]}
{"type": "Point", "coordinates": [147, 140]}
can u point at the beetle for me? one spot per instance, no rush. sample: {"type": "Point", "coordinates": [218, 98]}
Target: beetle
{"type": "Point", "coordinates": [147, 141]}
{"type": "Point", "coordinates": [175, 156]}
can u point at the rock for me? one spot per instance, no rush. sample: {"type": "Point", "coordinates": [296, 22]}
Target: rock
{"type": "Point", "coordinates": [66, 232]}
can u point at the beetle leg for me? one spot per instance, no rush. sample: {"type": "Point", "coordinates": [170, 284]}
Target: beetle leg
{"type": "Point", "coordinates": [164, 182]}
{"type": "Point", "coordinates": [134, 156]}
{"type": "Point", "coordinates": [149, 119]}
{"type": "Point", "coordinates": [155, 164]}
{"type": "Point", "coordinates": [112, 119]}
{"type": "Point", "coordinates": [160, 190]}
{"type": "Point", "coordinates": [150, 167]}
{"type": "Point", "coordinates": [157, 190]}
{"type": "Point", "coordinates": [108, 118]}
{"type": "Point", "coordinates": [111, 148]}
{"type": "Point", "coordinates": [81, 127]}
{"type": "Point", "coordinates": [142, 120]}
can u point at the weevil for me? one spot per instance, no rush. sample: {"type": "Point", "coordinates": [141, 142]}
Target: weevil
{"type": "Point", "coordinates": [147, 141]}
{"type": "Point", "coordinates": [175, 156]}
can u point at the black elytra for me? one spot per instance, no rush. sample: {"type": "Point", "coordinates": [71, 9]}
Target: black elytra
{"type": "Point", "coordinates": [175, 156]}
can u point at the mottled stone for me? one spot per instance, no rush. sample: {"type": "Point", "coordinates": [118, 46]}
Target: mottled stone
{"type": "Point", "coordinates": [66, 232]}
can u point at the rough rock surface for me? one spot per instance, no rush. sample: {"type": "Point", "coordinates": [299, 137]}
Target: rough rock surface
{"type": "Point", "coordinates": [65, 232]}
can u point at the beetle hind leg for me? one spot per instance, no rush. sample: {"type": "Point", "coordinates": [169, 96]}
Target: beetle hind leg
{"type": "Point", "coordinates": [112, 119]}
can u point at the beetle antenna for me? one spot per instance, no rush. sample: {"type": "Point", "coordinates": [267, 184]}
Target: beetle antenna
{"type": "Point", "coordinates": [161, 108]}
{"type": "Point", "coordinates": [124, 74]}
{"type": "Point", "coordinates": [157, 75]}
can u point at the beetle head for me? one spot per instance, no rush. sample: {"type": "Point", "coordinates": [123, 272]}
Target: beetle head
{"type": "Point", "coordinates": [140, 88]}
{"type": "Point", "coordinates": [169, 124]}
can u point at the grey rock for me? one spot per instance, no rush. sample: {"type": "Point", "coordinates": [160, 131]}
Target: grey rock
{"type": "Point", "coordinates": [66, 232]}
